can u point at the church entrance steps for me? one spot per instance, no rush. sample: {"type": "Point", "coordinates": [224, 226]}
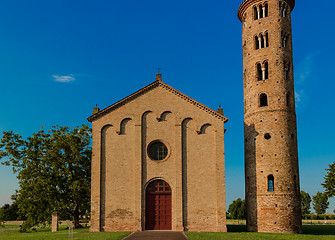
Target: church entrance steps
{"type": "Point", "coordinates": [157, 235]}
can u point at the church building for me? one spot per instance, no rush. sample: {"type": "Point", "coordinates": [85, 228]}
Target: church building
{"type": "Point", "coordinates": [158, 155]}
{"type": "Point", "coordinates": [158, 163]}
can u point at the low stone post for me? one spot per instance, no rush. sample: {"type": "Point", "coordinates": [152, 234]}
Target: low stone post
{"type": "Point", "coordinates": [54, 222]}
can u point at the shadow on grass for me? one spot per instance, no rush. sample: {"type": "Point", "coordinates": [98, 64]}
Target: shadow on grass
{"type": "Point", "coordinates": [306, 229]}
{"type": "Point", "coordinates": [318, 229]}
{"type": "Point", "coordinates": [236, 228]}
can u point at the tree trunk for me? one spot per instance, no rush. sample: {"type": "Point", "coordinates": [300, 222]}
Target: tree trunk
{"type": "Point", "coordinates": [75, 220]}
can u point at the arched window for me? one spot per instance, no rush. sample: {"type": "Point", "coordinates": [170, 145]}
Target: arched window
{"type": "Point", "coordinates": [266, 70]}
{"type": "Point", "coordinates": [286, 70]}
{"type": "Point", "coordinates": [284, 39]}
{"type": "Point", "coordinates": [271, 183]}
{"type": "Point", "coordinates": [256, 43]}
{"type": "Point", "coordinates": [262, 41]}
{"type": "Point", "coordinates": [266, 39]}
{"type": "Point", "coordinates": [266, 13]}
{"type": "Point", "coordinates": [255, 13]}
{"type": "Point", "coordinates": [259, 72]}
{"type": "Point", "coordinates": [260, 11]}
{"type": "Point", "coordinates": [263, 100]}
{"type": "Point", "coordinates": [283, 9]}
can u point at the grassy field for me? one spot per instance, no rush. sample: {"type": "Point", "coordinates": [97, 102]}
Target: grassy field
{"type": "Point", "coordinates": [239, 232]}
{"type": "Point", "coordinates": [235, 231]}
{"type": "Point", "coordinates": [45, 234]}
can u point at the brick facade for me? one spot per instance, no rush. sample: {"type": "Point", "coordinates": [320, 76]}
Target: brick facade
{"type": "Point", "coordinates": [270, 129]}
{"type": "Point", "coordinates": [122, 169]}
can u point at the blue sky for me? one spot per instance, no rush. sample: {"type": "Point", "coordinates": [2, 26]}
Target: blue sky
{"type": "Point", "coordinates": [60, 58]}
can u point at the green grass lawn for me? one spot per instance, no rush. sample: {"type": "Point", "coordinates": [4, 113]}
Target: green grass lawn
{"type": "Point", "coordinates": [239, 232]}
{"type": "Point", "coordinates": [45, 234]}
{"type": "Point", "coordinates": [234, 232]}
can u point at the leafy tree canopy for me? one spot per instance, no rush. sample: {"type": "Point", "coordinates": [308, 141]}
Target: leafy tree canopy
{"type": "Point", "coordinates": [237, 209]}
{"type": "Point", "coordinates": [320, 203]}
{"type": "Point", "coordinates": [305, 202]}
{"type": "Point", "coordinates": [329, 183]}
{"type": "Point", "coordinates": [10, 212]}
{"type": "Point", "coordinates": [54, 172]}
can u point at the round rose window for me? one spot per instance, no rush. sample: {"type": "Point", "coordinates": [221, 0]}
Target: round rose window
{"type": "Point", "coordinates": [157, 150]}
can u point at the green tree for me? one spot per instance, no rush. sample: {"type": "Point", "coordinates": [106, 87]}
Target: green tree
{"type": "Point", "coordinates": [9, 212]}
{"type": "Point", "coordinates": [305, 202]}
{"type": "Point", "coordinates": [320, 203]}
{"type": "Point", "coordinates": [54, 172]}
{"type": "Point", "coordinates": [237, 209]}
{"type": "Point", "coordinates": [329, 183]}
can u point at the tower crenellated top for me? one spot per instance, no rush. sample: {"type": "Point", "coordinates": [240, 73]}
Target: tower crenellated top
{"type": "Point", "coordinates": [246, 3]}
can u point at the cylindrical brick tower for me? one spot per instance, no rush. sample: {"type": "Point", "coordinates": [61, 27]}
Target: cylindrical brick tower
{"type": "Point", "coordinates": [270, 129]}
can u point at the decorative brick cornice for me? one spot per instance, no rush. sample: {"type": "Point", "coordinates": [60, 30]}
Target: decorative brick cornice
{"type": "Point", "coordinates": [246, 3]}
{"type": "Point", "coordinates": [148, 88]}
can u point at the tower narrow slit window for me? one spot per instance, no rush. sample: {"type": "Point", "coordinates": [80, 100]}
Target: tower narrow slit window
{"type": "Point", "coordinates": [271, 183]}
{"type": "Point", "coordinates": [263, 100]}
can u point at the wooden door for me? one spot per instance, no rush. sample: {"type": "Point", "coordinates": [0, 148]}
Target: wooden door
{"type": "Point", "coordinates": [158, 206]}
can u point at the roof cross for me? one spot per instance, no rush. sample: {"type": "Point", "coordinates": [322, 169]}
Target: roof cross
{"type": "Point", "coordinates": [158, 68]}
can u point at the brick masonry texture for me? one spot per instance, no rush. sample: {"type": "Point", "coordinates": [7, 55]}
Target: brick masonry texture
{"type": "Point", "coordinates": [121, 168]}
{"type": "Point", "coordinates": [278, 210]}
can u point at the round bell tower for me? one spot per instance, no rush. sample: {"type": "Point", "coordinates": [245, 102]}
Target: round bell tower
{"type": "Point", "coordinates": [270, 128]}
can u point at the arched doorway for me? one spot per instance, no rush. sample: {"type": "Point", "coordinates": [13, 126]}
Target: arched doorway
{"type": "Point", "coordinates": [158, 206]}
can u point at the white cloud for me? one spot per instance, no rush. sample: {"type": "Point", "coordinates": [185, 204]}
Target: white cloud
{"type": "Point", "coordinates": [297, 97]}
{"type": "Point", "coordinates": [303, 74]}
{"type": "Point", "coordinates": [305, 68]}
{"type": "Point", "coordinates": [64, 79]}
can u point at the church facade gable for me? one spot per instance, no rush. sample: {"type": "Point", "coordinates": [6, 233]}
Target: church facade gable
{"type": "Point", "coordinates": [158, 164]}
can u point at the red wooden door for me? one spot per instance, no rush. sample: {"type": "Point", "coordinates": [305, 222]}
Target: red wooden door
{"type": "Point", "coordinates": [158, 206]}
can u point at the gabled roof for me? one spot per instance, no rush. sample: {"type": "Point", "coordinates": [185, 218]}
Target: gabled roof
{"type": "Point", "coordinates": [142, 91]}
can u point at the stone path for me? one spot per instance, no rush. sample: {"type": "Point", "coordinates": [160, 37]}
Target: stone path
{"type": "Point", "coordinates": [156, 235]}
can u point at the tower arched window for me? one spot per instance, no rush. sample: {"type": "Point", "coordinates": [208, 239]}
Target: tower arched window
{"type": "Point", "coordinates": [266, 70]}
{"type": "Point", "coordinates": [283, 9]}
{"type": "Point", "coordinates": [263, 100]}
{"type": "Point", "coordinates": [284, 39]}
{"type": "Point", "coordinates": [286, 70]}
{"type": "Point", "coordinates": [266, 10]}
{"type": "Point", "coordinates": [262, 41]}
{"type": "Point", "coordinates": [266, 39]}
{"type": "Point", "coordinates": [256, 13]}
{"type": "Point", "coordinates": [271, 183]}
{"type": "Point", "coordinates": [256, 43]}
{"type": "Point", "coordinates": [259, 71]}
{"type": "Point", "coordinates": [260, 11]}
